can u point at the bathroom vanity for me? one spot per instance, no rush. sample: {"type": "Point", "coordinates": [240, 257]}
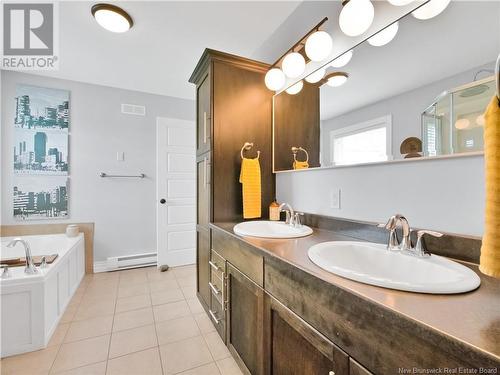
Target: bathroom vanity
{"type": "Point", "coordinates": [279, 313]}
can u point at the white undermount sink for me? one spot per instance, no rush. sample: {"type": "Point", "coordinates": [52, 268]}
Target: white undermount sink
{"type": "Point", "coordinates": [373, 264]}
{"type": "Point", "coordinates": [270, 229]}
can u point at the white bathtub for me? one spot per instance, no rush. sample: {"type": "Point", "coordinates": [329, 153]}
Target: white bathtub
{"type": "Point", "coordinates": [32, 305]}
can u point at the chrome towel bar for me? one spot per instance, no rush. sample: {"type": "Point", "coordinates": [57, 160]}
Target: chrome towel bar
{"type": "Point", "coordinates": [102, 174]}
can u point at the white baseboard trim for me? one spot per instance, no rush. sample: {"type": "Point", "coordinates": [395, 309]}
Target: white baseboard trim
{"type": "Point", "coordinates": [126, 262]}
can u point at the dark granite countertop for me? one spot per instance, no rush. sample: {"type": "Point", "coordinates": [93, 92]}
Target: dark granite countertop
{"type": "Point", "coordinates": [472, 318]}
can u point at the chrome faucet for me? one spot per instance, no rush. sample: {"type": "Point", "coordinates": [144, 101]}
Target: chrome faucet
{"type": "Point", "coordinates": [391, 226]}
{"type": "Point", "coordinates": [30, 268]}
{"type": "Point", "coordinates": [290, 213]}
{"type": "Point", "coordinates": [405, 244]}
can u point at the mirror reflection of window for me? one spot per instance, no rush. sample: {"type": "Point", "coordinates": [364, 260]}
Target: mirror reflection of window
{"type": "Point", "coordinates": [368, 142]}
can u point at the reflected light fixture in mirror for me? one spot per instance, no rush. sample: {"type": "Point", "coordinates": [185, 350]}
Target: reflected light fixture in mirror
{"type": "Point", "coordinates": [336, 79]}
{"type": "Point", "coordinates": [356, 16]}
{"type": "Point", "coordinates": [431, 9]}
{"type": "Point", "coordinates": [341, 61]}
{"type": "Point", "coordinates": [480, 120]}
{"type": "Point", "coordinates": [316, 76]}
{"type": "Point", "coordinates": [112, 18]}
{"type": "Point", "coordinates": [275, 79]}
{"type": "Point", "coordinates": [318, 46]}
{"type": "Point", "coordinates": [399, 3]}
{"type": "Point", "coordinates": [293, 65]}
{"type": "Point", "coordinates": [463, 123]}
{"type": "Point", "coordinates": [295, 89]}
{"type": "Point", "coordinates": [384, 36]}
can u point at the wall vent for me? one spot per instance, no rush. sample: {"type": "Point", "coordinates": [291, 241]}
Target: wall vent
{"type": "Point", "coordinates": [133, 109]}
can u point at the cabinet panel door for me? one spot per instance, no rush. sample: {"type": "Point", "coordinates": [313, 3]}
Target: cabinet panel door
{"type": "Point", "coordinates": [293, 347]}
{"type": "Point", "coordinates": [203, 173]}
{"type": "Point", "coordinates": [245, 308]}
{"type": "Point", "coordinates": [203, 138]}
{"type": "Point", "coordinates": [202, 265]}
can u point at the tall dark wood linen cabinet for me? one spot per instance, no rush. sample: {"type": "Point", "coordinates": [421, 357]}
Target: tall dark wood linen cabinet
{"type": "Point", "coordinates": [233, 107]}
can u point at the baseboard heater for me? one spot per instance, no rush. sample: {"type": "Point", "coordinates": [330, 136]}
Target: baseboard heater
{"type": "Point", "coordinates": [125, 262]}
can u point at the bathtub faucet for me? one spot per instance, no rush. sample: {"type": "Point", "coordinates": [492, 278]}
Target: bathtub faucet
{"type": "Point", "coordinates": [30, 268]}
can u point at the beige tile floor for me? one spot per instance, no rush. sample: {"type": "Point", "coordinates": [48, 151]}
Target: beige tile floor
{"type": "Point", "coordinates": [132, 322]}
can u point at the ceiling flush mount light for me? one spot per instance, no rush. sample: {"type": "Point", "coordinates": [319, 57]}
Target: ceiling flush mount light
{"type": "Point", "coordinates": [431, 9]}
{"type": "Point", "coordinates": [463, 123]}
{"type": "Point", "coordinates": [341, 61]}
{"type": "Point", "coordinates": [318, 46]}
{"type": "Point", "coordinates": [112, 18]}
{"type": "Point", "coordinates": [336, 79]}
{"type": "Point", "coordinates": [400, 3]}
{"type": "Point", "coordinates": [316, 76]}
{"type": "Point", "coordinates": [356, 16]}
{"type": "Point", "coordinates": [384, 36]}
{"type": "Point", "coordinates": [275, 79]}
{"type": "Point", "coordinates": [293, 65]}
{"type": "Point", "coordinates": [295, 89]}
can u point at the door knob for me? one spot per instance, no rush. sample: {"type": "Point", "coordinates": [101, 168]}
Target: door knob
{"type": "Point", "coordinates": [163, 201]}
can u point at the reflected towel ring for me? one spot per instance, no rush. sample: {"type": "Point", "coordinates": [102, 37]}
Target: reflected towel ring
{"type": "Point", "coordinates": [295, 150]}
{"type": "Point", "coordinates": [246, 147]}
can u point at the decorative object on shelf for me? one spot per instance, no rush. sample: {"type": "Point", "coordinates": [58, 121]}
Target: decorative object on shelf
{"type": "Point", "coordinates": [356, 16]}
{"type": "Point", "coordinates": [112, 18]}
{"type": "Point", "coordinates": [297, 164]}
{"type": "Point", "coordinates": [490, 249]}
{"type": "Point", "coordinates": [411, 147]}
{"type": "Point", "coordinates": [431, 9]}
{"type": "Point", "coordinates": [250, 180]}
{"type": "Point", "coordinates": [41, 131]}
{"type": "Point", "coordinates": [384, 36]}
{"type": "Point", "coordinates": [274, 211]}
{"type": "Point", "coordinates": [292, 61]}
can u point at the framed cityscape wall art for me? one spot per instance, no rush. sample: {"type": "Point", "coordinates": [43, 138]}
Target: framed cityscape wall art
{"type": "Point", "coordinates": [40, 153]}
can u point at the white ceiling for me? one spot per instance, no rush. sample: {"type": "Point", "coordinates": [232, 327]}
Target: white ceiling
{"type": "Point", "coordinates": [160, 52]}
{"type": "Point", "coordinates": [465, 36]}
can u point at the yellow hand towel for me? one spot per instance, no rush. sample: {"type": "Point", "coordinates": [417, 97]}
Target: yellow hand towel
{"type": "Point", "coordinates": [251, 184]}
{"type": "Point", "coordinates": [490, 250]}
{"type": "Point", "coordinates": [300, 165]}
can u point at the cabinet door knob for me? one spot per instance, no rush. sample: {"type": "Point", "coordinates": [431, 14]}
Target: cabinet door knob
{"type": "Point", "coordinates": [163, 201]}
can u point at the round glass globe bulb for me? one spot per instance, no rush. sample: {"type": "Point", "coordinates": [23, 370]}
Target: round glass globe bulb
{"type": "Point", "coordinates": [316, 76]}
{"type": "Point", "coordinates": [341, 61]}
{"type": "Point", "coordinates": [431, 9]}
{"type": "Point", "coordinates": [275, 79]}
{"type": "Point", "coordinates": [384, 36]}
{"type": "Point", "coordinates": [293, 65]}
{"type": "Point", "coordinates": [319, 46]}
{"type": "Point", "coordinates": [295, 89]}
{"type": "Point", "coordinates": [356, 17]}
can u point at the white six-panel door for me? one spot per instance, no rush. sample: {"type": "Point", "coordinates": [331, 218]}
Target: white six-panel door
{"type": "Point", "coordinates": [176, 191]}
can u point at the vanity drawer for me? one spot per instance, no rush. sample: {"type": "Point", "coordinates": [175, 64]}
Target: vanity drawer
{"type": "Point", "coordinates": [216, 285]}
{"type": "Point", "coordinates": [243, 256]}
{"type": "Point", "coordinates": [217, 264]}
{"type": "Point", "coordinates": [218, 317]}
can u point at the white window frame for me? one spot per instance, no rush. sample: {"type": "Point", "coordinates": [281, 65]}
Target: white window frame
{"type": "Point", "coordinates": [380, 122]}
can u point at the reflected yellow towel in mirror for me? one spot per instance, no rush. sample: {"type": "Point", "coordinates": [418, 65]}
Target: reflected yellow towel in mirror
{"type": "Point", "coordinates": [490, 250]}
{"type": "Point", "coordinates": [251, 186]}
{"type": "Point", "coordinates": [300, 165]}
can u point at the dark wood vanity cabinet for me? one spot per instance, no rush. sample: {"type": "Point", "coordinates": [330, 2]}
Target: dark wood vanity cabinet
{"type": "Point", "coordinates": [293, 347]}
{"type": "Point", "coordinates": [233, 107]}
{"type": "Point", "coordinates": [245, 313]}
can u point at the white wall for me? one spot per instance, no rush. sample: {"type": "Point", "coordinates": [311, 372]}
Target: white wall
{"type": "Point", "coordinates": [123, 210]}
{"type": "Point", "coordinates": [446, 194]}
{"type": "Point", "coordinates": [405, 110]}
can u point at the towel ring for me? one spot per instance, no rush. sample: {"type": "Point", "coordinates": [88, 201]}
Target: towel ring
{"type": "Point", "coordinates": [246, 147]}
{"type": "Point", "coordinates": [295, 150]}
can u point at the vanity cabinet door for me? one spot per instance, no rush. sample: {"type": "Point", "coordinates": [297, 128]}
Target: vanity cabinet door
{"type": "Point", "coordinates": [202, 265]}
{"type": "Point", "coordinates": [293, 347]}
{"type": "Point", "coordinates": [245, 309]}
{"type": "Point", "coordinates": [203, 191]}
{"type": "Point", "coordinates": [204, 132]}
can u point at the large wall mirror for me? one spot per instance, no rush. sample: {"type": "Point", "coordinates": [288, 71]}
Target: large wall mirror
{"type": "Point", "coordinates": [415, 97]}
